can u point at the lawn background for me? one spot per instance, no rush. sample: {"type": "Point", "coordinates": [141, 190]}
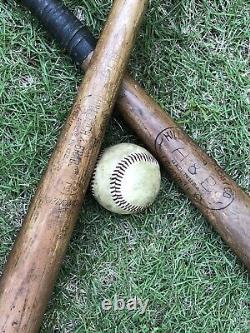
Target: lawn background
{"type": "Point", "coordinates": [192, 57]}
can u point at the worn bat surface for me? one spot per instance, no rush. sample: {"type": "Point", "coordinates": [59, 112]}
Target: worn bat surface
{"type": "Point", "coordinates": [216, 195]}
{"type": "Point", "coordinates": [35, 260]}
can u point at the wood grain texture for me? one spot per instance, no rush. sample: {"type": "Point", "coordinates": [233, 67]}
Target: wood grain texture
{"type": "Point", "coordinates": [34, 262]}
{"type": "Point", "coordinates": [225, 205]}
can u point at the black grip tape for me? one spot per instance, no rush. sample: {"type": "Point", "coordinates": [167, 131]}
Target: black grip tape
{"type": "Point", "coordinates": [63, 27]}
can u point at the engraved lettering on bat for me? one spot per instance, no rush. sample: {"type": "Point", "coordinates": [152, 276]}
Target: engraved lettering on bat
{"type": "Point", "coordinates": [208, 184]}
{"type": "Point", "coordinates": [76, 155]}
{"type": "Point", "coordinates": [80, 146]}
{"type": "Point", "coordinates": [170, 135]}
{"type": "Point", "coordinates": [193, 169]}
{"type": "Point", "coordinates": [180, 154]}
{"type": "Point", "coordinates": [167, 134]}
{"type": "Point", "coordinates": [60, 206]}
{"type": "Point", "coordinates": [228, 193]}
{"type": "Point", "coordinates": [208, 187]}
{"type": "Point", "coordinates": [69, 186]}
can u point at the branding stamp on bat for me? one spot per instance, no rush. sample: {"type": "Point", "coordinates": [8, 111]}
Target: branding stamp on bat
{"type": "Point", "coordinates": [208, 186]}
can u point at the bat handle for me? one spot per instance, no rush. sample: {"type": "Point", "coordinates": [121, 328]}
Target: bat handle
{"type": "Point", "coordinates": [64, 27]}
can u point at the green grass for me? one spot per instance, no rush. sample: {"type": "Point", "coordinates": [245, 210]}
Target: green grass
{"type": "Point", "coordinates": [192, 56]}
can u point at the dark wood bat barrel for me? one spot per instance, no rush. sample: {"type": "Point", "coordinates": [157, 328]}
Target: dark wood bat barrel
{"type": "Point", "coordinates": [225, 205]}
{"type": "Point", "coordinates": [34, 262]}
{"type": "Point", "coordinates": [215, 194]}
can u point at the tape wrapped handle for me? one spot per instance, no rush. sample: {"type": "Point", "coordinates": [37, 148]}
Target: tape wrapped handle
{"type": "Point", "coordinates": [71, 34]}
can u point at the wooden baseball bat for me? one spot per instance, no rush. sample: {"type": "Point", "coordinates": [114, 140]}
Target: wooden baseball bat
{"type": "Point", "coordinates": [217, 196]}
{"type": "Point", "coordinates": [35, 260]}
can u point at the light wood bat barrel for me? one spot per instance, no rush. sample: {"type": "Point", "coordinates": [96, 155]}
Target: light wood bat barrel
{"type": "Point", "coordinates": [34, 262]}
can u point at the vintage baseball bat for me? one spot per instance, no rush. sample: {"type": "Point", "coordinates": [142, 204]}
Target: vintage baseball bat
{"type": "Point", "coordinates": [35, 260]}
{"type": "Point", "coordinates": [217, 196]}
